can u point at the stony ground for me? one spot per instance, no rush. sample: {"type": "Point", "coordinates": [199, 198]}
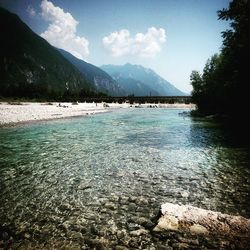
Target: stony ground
{"type": "Point", "coordinates": [174, 227]}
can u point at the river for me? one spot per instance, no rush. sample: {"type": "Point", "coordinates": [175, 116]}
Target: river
{"type": "Point", "coordinates": [65, 182]}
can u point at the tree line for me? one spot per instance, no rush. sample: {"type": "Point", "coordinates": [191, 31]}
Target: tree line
{"type": "Point", "coordinates": [222, 87]}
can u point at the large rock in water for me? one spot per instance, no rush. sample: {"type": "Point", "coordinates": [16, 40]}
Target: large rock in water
{"type": "Point", "coordinates": [229, 232]}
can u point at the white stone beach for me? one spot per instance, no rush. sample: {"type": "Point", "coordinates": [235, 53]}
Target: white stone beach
{"type": "Point", "coordinates": [15, 113]}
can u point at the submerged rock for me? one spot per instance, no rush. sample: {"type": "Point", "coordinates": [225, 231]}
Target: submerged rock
{"type": "Point", "coordinates": [139, 232]}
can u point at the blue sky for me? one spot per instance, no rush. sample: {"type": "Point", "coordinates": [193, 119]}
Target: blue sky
{"type": "Point", "coordinates": [173, 37]}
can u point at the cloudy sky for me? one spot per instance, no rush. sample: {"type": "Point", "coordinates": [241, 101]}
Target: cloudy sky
{"type": "Point", "coordinates": [173, 37]}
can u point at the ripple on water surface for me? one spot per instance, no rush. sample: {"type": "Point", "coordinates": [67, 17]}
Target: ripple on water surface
{"type": "Point", "coordinates": [71, 182]}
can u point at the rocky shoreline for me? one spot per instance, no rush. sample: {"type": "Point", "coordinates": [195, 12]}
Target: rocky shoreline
{"type": "Point", "coordinates": [18, 113]}
{"type": "Point", "coordinates": [15, 113]}
{"type": "Point", "coordinates": [174, 227]}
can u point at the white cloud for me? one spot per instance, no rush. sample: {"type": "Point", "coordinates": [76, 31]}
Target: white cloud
{"type": "Point", "coordinates": [61, 32]}
{"type": "Point", "coordinates": [31, 11]}
{"type": "Point", "coordinates": [120, 43]}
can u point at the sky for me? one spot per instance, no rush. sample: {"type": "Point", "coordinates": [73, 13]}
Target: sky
{"type": "Point", "coordinates": [172, 37]}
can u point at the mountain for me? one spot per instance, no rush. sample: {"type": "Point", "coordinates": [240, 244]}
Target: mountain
{"type": "Point", "coordinates": [103, 82]}
{"type": "Point", "coordinates": [141, 81]}
{"type": "Point", "coordinates": [31, 67]}
{"type": "Point", "coordinates": [135, 87]}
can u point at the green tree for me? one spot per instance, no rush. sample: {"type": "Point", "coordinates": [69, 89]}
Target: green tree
{"type": "Point", "coordinates": [222, 88]}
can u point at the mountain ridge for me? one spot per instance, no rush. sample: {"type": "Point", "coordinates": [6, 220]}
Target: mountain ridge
{"type": "Point", "coordinates": [155, 84]}
{"type": "Point", "coordinates": [30, 67]}
{"type": "Point", "coordinates": [102, 80]}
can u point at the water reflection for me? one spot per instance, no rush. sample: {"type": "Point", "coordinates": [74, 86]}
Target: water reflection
{"type": "Point", "coordinates": [226, 165]}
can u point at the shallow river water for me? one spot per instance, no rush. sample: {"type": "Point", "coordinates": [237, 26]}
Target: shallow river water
{"type": "Point", "coordinates": [89, 182]}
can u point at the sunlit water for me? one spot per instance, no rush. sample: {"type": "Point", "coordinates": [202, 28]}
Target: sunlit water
{"type": "Point", "coordinates": [64, 182]}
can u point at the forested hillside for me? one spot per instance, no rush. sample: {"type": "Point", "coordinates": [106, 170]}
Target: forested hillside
{"type": "Point", "coordinates": [31, 68]}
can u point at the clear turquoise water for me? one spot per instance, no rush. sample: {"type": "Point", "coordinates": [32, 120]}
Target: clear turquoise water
{"type": "Point", "coordinates": [92, 175]}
